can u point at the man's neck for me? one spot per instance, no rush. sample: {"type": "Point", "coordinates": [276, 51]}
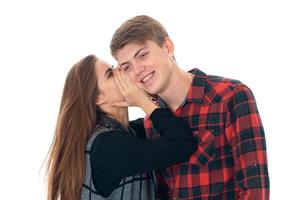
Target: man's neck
{"type": "Point", "coordinates": [177, 88]}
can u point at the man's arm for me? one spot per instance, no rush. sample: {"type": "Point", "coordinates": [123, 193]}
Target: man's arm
{"type": "Point", "coordinates": [245, 133]}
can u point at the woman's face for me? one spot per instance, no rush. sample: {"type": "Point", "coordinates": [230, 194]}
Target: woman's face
{"type": "Point", "coordinates": [109, 92]}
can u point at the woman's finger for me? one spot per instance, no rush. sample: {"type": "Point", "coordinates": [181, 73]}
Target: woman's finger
{"type": "Point", "coordinates": [118, 82]}
{"type": "Point", "coordinates": [128, 81]}
{"type": "Point", "coordinates": [125, 79]}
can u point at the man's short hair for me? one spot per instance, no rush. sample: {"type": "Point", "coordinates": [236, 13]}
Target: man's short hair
{"type": "Point", "coordinates": [138, 29]}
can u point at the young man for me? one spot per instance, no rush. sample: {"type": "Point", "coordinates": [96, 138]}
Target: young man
{"type": "Point", "coordinates": [231, 159]}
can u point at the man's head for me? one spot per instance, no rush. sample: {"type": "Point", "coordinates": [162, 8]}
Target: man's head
{"type": "Point", "coordinates": [143, 49]}
{"type": "Point", "coordinates": [137, 30]}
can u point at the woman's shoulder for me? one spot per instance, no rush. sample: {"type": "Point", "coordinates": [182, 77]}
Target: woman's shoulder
{"type": "Point", "coordinates": [97, 132]}
{"type": "Point", "coordinates": [101, 128]}
{"type": "Point", "coordinates": [105, 135]}
{"type": "Point", "coordinates": [108, 143]}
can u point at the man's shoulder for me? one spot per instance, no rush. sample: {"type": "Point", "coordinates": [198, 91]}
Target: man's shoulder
{"type": "Point", "coordinates": [226, 88]}
{"type": "Point", "coordinates": [223, 80]}
{"type": "Point", "coordinates": [219, 88]}
{"type": "Point", "coordinates": [220, 83]}
{"type": "Point", "coordinates": [215, 79]}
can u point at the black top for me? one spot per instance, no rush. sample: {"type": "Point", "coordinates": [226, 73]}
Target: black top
{"type": "Point", "coordinates": [117, 154]}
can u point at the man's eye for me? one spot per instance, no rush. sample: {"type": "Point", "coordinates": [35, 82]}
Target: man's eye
{"type": "Point", "coordinates": [143, 55]}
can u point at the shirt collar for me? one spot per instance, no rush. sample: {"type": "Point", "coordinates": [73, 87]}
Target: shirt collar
{"type": "Point", "coordinates": [108, 121]}
{"type": "Point", "coordinates": [196, 91]}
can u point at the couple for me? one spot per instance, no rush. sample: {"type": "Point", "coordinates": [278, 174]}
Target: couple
{"type": "Point", "coordinates": [202, 137]}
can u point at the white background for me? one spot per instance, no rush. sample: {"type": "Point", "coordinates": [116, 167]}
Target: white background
{"type": "Point", "coordinates": [255, 41]}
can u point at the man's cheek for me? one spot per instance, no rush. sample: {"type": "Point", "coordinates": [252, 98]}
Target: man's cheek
{"type": "Point", "coordinates": [134, 79]}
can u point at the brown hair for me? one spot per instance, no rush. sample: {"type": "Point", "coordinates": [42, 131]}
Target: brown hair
{"type": "Point", "coordinates": [137, 30]}
{"type": "Point", "coordinates": [76, 119]}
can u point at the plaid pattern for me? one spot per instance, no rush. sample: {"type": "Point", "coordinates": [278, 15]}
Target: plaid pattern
{"type": "Point", "coordinates": [231, 159]}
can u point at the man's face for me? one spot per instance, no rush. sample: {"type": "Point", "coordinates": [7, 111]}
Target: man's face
{"type": "Point", "coordinates": [148, 65]}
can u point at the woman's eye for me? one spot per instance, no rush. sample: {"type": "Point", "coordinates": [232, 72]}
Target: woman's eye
{"type": "Point", "coordinates": [110, 74]}
{"type": "Point", "coordinates": [126, 67]}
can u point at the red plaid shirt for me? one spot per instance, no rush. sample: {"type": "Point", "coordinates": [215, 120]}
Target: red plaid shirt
{"type": "Point", "coordinates": [231, 159]}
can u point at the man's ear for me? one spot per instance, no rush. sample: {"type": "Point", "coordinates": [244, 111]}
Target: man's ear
{"type": "Point", "coordinates": [100, 100]}
{"type": "Point", "coordinates": [169, 46]}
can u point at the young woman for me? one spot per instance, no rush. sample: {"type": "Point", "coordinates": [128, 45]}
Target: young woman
{"type": "Point", "coordinates": [96, 152]}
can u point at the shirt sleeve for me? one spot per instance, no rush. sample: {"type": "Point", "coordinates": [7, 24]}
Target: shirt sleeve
{"type": "Point", "coordinates": [117, 154]}
{"type": "Point", "coordinates": [138, 127]}
{"type": "Point", "coordinates": [245, 133]}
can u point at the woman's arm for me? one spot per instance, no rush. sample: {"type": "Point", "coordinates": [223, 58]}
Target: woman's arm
{"type": "Point", "coordinates": [117, 154]}
{"type": "Point", "coordinates": [138, 126]}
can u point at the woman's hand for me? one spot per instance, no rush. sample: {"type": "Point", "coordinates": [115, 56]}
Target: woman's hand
{"type": "Point", "coordinates": [132, 94]}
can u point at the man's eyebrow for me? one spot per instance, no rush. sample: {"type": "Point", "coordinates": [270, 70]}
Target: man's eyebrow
{"type": "Point", "coordinates": [135, 55]}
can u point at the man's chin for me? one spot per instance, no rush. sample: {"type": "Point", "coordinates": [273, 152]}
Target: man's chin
{"type": "Point", "coordinates": [152, 90]}
{"type": "Point", "coordinates": [149, 91]}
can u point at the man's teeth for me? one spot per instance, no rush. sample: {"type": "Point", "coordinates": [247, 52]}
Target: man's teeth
{"type": "Point", "coordinates": [147, 77]}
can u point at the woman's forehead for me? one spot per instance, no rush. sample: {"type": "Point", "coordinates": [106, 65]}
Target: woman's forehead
{"type": "Point", "coordinates": [101, 68]}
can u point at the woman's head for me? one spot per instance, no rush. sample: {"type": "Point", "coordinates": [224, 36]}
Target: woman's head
{"type": "Point", "coordinates": [80, 89]}
{"type": "Point", "coordinates": [90, 80]}
{"type": "Point", "coordinates": [108, 91]}
{"type": "Point", "coordinates": [86, 88]}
